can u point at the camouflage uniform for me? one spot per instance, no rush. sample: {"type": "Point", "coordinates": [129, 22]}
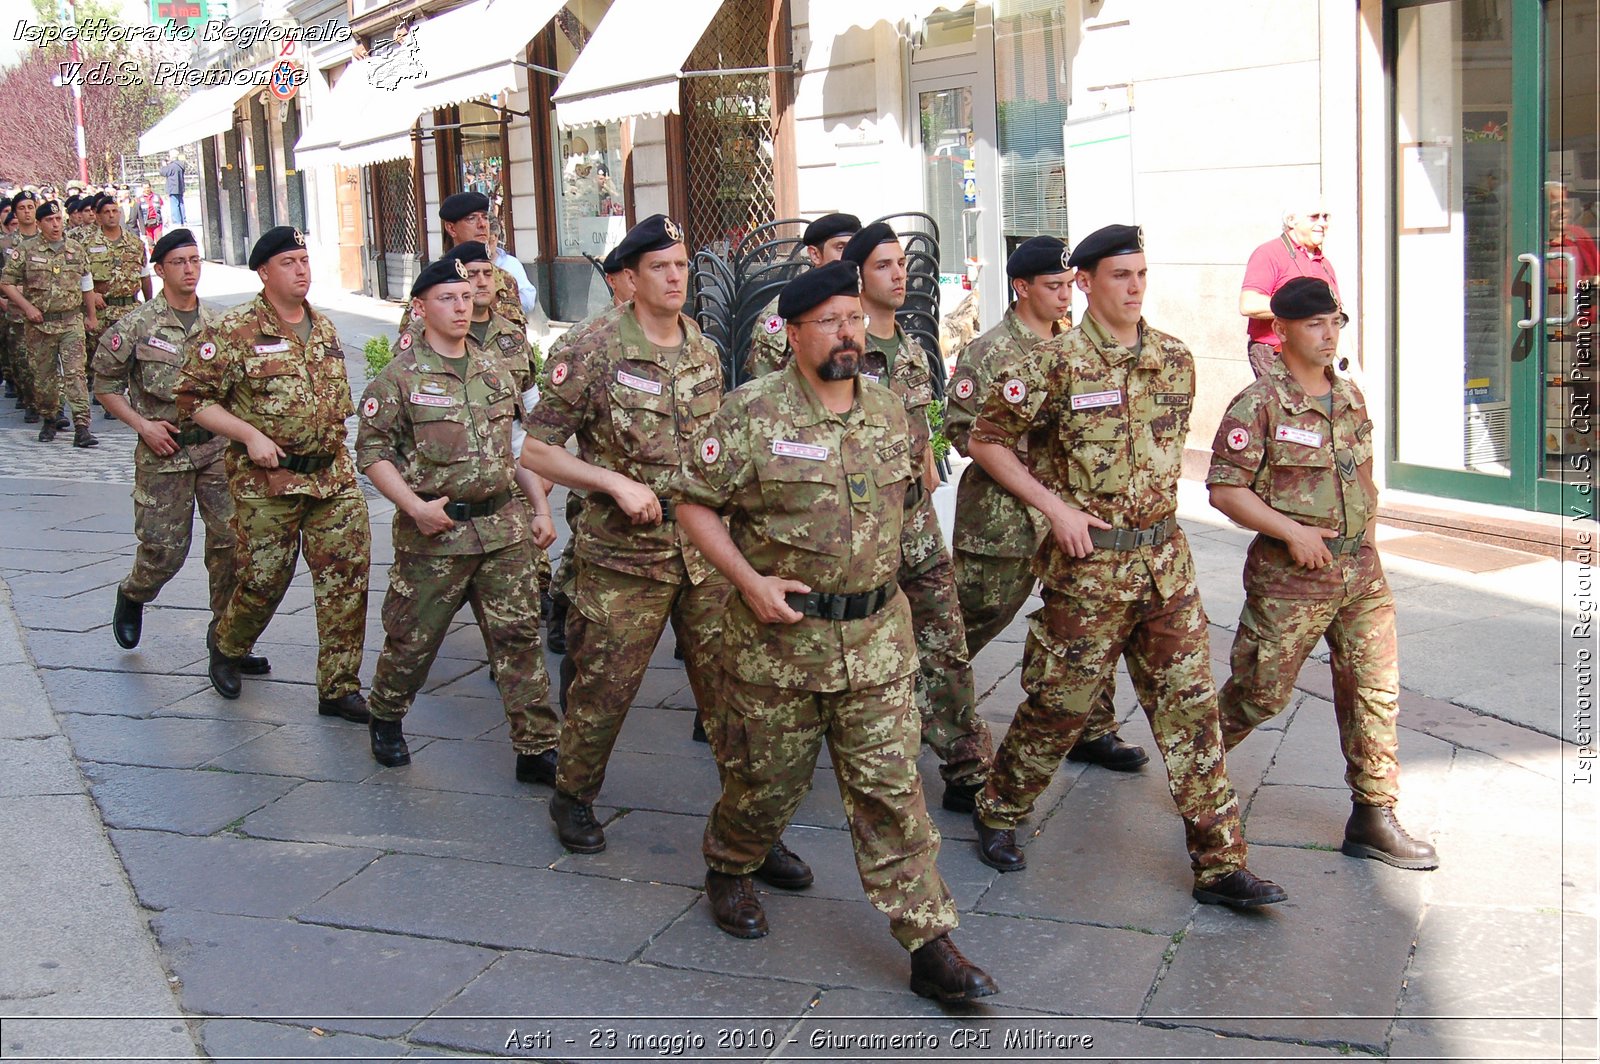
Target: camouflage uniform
{"type": "Point", "coordinates": [254, 366]}
{"type": "Point", "coordinates": [117, 267]}
{"type": "Point", "coordinates": [51, 279]}
{"type": "Point", "coordinates": [507, 303]}
{"type": "Point", "coordinates": [825, 510]}
{"type": "Point", "coordinates": [638, 411]}
{"type": "Point", "coordinates": [449, 437]}
{"type": "Point", "coordinates": [142, 355]}
{"type": "Point", "coordinates": [997, 535]}
{"type": "Point", "coordinates": [18, 370]}
{"type": "Point", "coordinates": [1108, 427]}
{"type": "Point", "coordinates": [946, 694]}
{"type": "Point", "coordinates": [1282, 445]}
{"type": "Point", "coordinates": [769, 344]}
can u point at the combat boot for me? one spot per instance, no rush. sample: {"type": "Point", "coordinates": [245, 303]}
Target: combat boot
{"type": "Point", "coordinates": [127, 621]}
{"type": "Point", "coordinates": [84, 438]}
{"type": "Point", "coordinates": [224, 673]}
{"type": "Point", "coordinates": [961, 797]}
{"type": "Point", "coordinates": [1374, 831]}
{"type": "Point", "coordinates": [734, 905]}
{"type": "Point", "coordinates": [1240, 890]}
{"type": "Point", "coordinates": [997, 847]}
{"type": "Point", "coordinates": [350, 705]}
{"type": "Point", "coordinates": [254, 665]}
{"type": "Point", "coordinates": [1109, 751]}
{"type": "Point", "coordinates": [576, 826]}
{"type": "Point", "coordinates": [556, 626]}
{"type": "Point", "coordinates": [47, 432]}
{"type": "Point", "coordinates": [388, 743]}
{"type": "Point", "coordinates": [940, 972]}
{"type": "Point", "coordinates": [783, 868]}
{"type": "Point", "coordinates": [537, 768]}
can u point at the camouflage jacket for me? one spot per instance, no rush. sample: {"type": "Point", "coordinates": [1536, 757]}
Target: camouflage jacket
{"type": "Point", "coordinates": [447, 436]}
{"type": "Point", "coordinates": [50, 277]}
{"type": "Point", "coordinates": [990, 521]}
{"type": "Point", "coordinates": [1280, 443]}
{"type": "Point", "coordinates": [908, 378]}
{"type": "Point", "coordinates": [116, 265]}
{"type": "Point", "coordinates": [509, 344]}
{"type": "Point", "coordinates": [142, 354]}
{"type": "Point", "coordinates": [769, 344]}
{"type": "Point", "coordinates": [506, 303]}
{"type": "Point", "coordinates": [10, 248]}
{"type": "Point", "coordinates": [637, 411]}
{"type": "Point", "coordinates": [817, 497]}
{"type": "Point", "coordinates": [254, 366]}
{"type": "Point", "coordinates": [1110, 427]}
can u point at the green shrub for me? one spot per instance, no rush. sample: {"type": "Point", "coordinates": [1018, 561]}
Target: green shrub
{"type": "Point", "coordinates": [941, 446]}
{"type": "Point", "coordinates": [378, 354]}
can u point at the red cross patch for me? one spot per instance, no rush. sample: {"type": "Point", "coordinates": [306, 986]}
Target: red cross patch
{"type": "Point", "coordinates": [964, 388]}
{"type": "Point", "coordinates": [774, 325]}
{"type": "Point", "coordinates": [1015, 391]}
{"type": "Point", "coordinates": [208, 351]}
{"type": "Point", "coordinates": [559, 374]}
{"type": "Point", "coordinates": [405, 342]}
{"type": "Point", "coordinates": [370, 406]}
{"type": "Point", "coordinates": [1238, 439]}
{"type": "Point", "coordinates": [116, 342]}
{"type": "Point", "coordinates": [710, 450]}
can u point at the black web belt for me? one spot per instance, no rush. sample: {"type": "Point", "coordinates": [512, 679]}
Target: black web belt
{"type": "Point", "coordinates": [832, 607]}
{"type": "Point", "coordinates": [465, 511]}
{"type": "Point", "coordinates": [306, 463]}
{"type": "Point", "coordinates": [1347, 545]}
{"type": "Point", "coordinates": [191, 436]}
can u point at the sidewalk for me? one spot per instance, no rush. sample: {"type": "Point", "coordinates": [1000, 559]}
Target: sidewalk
{"type": "Point", "coordinates": [246, 876]}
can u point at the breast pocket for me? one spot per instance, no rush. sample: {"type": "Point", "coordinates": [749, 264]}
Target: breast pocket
{"type": "Point", "coordinates": [1097, 455]}
{"type": "Point", "coordinates": [801, 499]}
{"type": "Point", "coordinates": [1302, 481]}
{"type": "Point", "coordinates": [643, 423]}
{"type": "Point", "coordinates": [280, 386]}
{"type": "Point", "coordinates": [442, 439]}
{"type": "Point", "coordinates": [158, 371]}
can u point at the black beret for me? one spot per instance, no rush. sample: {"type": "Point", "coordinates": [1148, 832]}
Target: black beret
{"type": "Point", "coordinates": [1305, 297]}
{"type": "Point", "coordinates": [105, 199]}
{"type": "Point", "coordinates": [454, 208]}
{"type": "Point", "coordinates": [276, 241]}
{"type": "Point", "coordinates": [829, 226]}
{"type": "Point", "coordinates": [177, 238]}
{"type": "Point", "coordinates": [818, 285]}
{"type": "Point", "coordinates": [446, 270]}
{"type": "Point", "coordinates": [611, 264]}
{"type": "Point", "coordinates": [1038, 255]}
{"type": "Point", "coordinates": [74, 204]}
{"type": "Point", "coordinates": [24, 196]}
{"type": "Point", "coordinates": [1105, 242]}
{"type": "Point", "coordinates": [46, 209]}
{"type": "Point", "coordinates": [5, 203]}
{"type": "Point", "coordinates": [469, 251]}
{"type": "Point", "coordinates": [655, 233]}
{"type": "Point", "coordinates": [863, 242]}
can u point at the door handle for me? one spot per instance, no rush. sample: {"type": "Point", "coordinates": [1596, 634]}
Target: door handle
{"type": "Point", "coordinates": [1572, 291]}
{"type": "Point", "coordinates": [1535, 291]}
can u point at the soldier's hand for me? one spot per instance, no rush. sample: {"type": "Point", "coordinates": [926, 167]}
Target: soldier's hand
{"type": "Point", "coordinates": [33, 314]}
{"type": "Point", "coordinates": [157, 435]}
{"type": "Point", "coordinates": [263, 452]}
{"type": "Point", "coordinates": [544, 530]}
{"type": "Point", "coordinates": [431, 519]}
{"type": "Point", "coordinates": [1308, 548]}
{"type": "Point", "coordinates": [1071, 530]}
{"type": "Point", "coordinates": [97, 302]}
{"type": "Point", "coordinates": [766, 599]}
{"type": "Point", "coordinates": [638, 502]}
{"type": "Point", "coordinates": [91, 323]}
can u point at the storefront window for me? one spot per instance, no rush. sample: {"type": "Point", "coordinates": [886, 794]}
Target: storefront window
{"type": "Point", "coordinates": [591, 212]}
{"type": "Point", "coordinates": [481, 160]}
{"type": "Point", "coordinates": [1031, 107]}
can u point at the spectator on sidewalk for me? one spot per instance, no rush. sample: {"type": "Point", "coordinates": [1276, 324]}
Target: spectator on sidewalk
{"type": "Point", "coordinates": [527, 291]}
{"type": "Point", "coordinates": [1295, 252]}
{"type": "Point", "coordinates": [149, 214]}
{"type": "Point", "coordinates": [176, 174]}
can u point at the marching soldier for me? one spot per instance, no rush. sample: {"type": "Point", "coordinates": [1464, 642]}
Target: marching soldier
{"type": "Point", "coordinates": [996, 535]}
{"type": "Point", "coordinates": [24, 204]}
{"type": "Point", "coordinates": [465, 216]}
{"type": "Point", "coordinates": [636, 389]}
{"type": "Point", "coordinates": [269, 375]}
{"type": "Point", "coordinates": [824, 241]}
{"type": "Point", "coordinates": [48, 281]}
{"type": "Point", "coordinates": [813, 465]}
{"type": "Point", "coordinates": [177, 465]}
{"type": "Point", "coordinates": [1107, 407]}
{"type": "Point", "coordinates": [946, 693]}
{"type": "Point", "coordinates": [1292, 461]}
{"type": "Point", "coordinates": [118, 264]}
{"type": "Point", "coordinates": [434, 438]}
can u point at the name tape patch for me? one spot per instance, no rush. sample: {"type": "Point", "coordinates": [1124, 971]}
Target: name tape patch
{"type": "Point", "coordinates": [1294, 435]}
{"type": "Point", "coordinates": [431, 400]}
{"type": "Point", "coordinates": [269, 349]}
{"type": "Point", "coordinates": [1091, 400]}
{"type": "Point", "coordinates": [156, 342]}
{"type": "Point", "coordinates": [641, 384]}
{"type": "Point", "coordinates": [790, 449]}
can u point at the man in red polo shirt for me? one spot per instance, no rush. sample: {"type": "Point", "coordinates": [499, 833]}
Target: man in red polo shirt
{"type": "Point", "coordinates": [1295, 252]}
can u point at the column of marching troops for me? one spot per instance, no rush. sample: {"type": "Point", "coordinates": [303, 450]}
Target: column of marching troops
{"type": "Point", "coordinates": [785, 529]}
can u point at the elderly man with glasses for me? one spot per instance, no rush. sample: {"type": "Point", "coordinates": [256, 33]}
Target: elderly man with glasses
{"type": "Point", "coordinates": [1297, 251]}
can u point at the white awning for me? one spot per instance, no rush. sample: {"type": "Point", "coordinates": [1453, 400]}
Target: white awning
{"type": "Point", "coordinates": [868, 13]}
{"type": "Point", "coordinates": [204, 114]}
{"type": "Point", "coordinates": [474, 50]}
{"type": "Point", "coordinates": [359, 123]}
{"type": "Point", "coordinates": [631, 65]}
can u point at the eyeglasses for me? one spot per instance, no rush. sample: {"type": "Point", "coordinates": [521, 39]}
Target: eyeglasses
{"type": "Point", "coordinates": [1322, 217]}
{"type": "Point", "coordinates": [832, 322]}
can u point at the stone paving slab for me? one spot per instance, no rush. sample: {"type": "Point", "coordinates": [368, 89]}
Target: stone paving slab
{"type": "Point", "coordinates": [131, 694]}
{"type": "Point", "coordinates": [1337, 907]}
{"type": "Point", "coordinates": [192, 803]}
{"type": "Point", "coordinates": [38, 766]}
{"type": "Point", "coordinates": [473, 766]}
{"type": "Point", "coordinates": [357, 981]}
{"type": "Point", "coordinates": [255, 1042]}
{"type": "Point", "coordinates": [267, 699]}
{"type": "Point", "coordinates": [162, 742]}
{"type": "Point", "coordinates": [306, 751]}
{"type": "Point", "coordinates": [502, 906]}
{"type": "Point", "coordinates": [231, 875]}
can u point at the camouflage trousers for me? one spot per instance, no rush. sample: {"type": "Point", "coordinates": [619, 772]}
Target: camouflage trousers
{"type": "Point", "coordinates": [337, 541]}
{"type": "Point", "coordinates": [425, 591]}
{"type": "Point", "coordinates": [946, 696]}
{"type": "Point", "coordinates": [612, 630]}
{"type": "Point", "coordinates": [1274, 639]}
{"type": "Point", "coordinates": [770, 748]}
{"type": "Point", "coordinates": [566, 576]}
{"type": "Point", "coordinates": [21, 373]}
{"type": "Point", "coordinates": [992, 591]}
{"type": "Point", "coordinates": [59, 362]}
{"type": "Point", "coordinates": [1072, 649]}
{"type": "Point", "coordinates": [163, 520]}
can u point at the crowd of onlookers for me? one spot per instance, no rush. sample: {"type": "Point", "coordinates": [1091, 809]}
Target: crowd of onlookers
{"type": "Point", "coordinates": [144, 210]}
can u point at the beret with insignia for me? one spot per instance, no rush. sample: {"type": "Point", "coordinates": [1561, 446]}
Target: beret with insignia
{"type": "Point", "coordinates": [177, 238]}
{"type": "Point", "coordinates": [25, 196]}
{"type": "Point", "coordinates": [655, 233]}
{"type": "Point", "coordinates": [456, 207]}
{"type": "Point", "coordinates": [1038, 255]}
{"type": "Point", "coordinates": [469, 251]}
{"type": "Point", "coordinates": [276, 241]}
{"type": "Point", "coordinates": [861, 245]}
{"type": "Point", "coordinates": [1106, 242]}
{"type": "Point", "coordinates": [816, 286]}
{"type": "Point", "coordinates": [1306, 297]}
{"type": "Point", "coordinates": [829, 226]}
{"type": "Point", "coordinates": [444, 270]}
{"type": "Point", "coordinates": [46, 209]}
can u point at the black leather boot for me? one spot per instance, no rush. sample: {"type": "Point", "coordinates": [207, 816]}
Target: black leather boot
{"type": "Point", "coordinates": [351, 706]}
{"type": "Point", "coordinates": [537, 768]}
{"type": "Point", "coordinates": [1109, 751]}
{"type": "Point", "coordinates": [388, 743]}
{"type": "Point", "coordinates": [127, 621]}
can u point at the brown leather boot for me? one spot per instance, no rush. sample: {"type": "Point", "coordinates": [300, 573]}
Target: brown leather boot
{"type": "Point", "coordinates": [1374, 831]}
{"type": "Point", "coordinates": [997, 847]}
{"type": "Point", "coordinates": [734, 905]}
{"type": "Point", "coordinates": [576, 826]}
{"type": "Point", "coordinates": [939, 971]}
{"type": "Point", "coordinates": [784, 869]}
